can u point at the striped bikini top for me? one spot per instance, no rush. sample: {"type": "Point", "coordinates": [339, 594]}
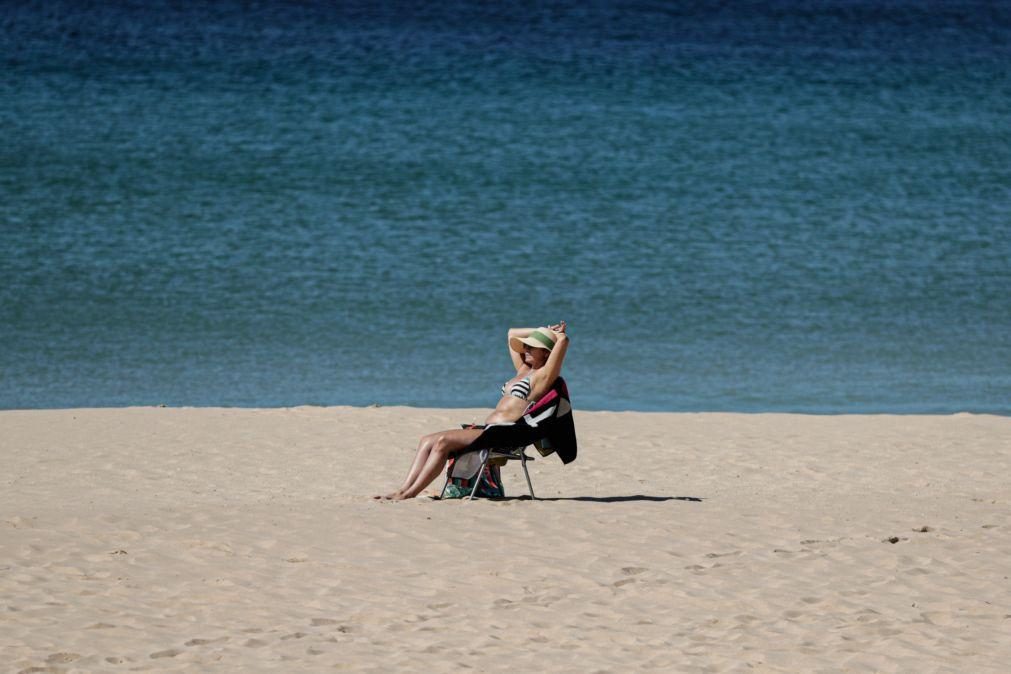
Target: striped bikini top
{"type": "Point", "coordinates": [520, 389]}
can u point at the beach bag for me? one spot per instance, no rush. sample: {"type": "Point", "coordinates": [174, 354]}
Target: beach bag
{"type": "Point", "coordinates": [489, 483]}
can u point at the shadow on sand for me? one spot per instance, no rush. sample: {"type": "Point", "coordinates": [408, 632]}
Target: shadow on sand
{"type": "Point", "coordinates": [605, 499]}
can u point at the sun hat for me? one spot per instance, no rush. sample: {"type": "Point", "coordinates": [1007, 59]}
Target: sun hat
{"type": "Point", "coordinates": [539, 338]}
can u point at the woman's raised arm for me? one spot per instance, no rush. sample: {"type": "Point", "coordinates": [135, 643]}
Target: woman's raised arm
{"type": "Point", "coordinates": [553, 367]}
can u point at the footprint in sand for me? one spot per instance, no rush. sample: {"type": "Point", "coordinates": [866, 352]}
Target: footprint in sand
{"type": "Point", "coordinates": [941, 618]}
{"type": "Point", "coordinates": [633, 570]}
{"type": "Point", "coordinates": [169, 653]}
{"type": "Point", "coordinates": [62, 658]}
{"type": "Point", "coordinates": [204, 642]}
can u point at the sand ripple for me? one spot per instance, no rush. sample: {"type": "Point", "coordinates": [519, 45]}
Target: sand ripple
{"type": "Point", "coordinates": [244, 540]}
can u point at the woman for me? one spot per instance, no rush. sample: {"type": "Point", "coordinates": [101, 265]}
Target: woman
{"type": "Point", "coordinates": [537, 354]}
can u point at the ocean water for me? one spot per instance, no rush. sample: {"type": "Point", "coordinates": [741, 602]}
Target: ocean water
{"type": "Point", "coordinates": [748, 206]}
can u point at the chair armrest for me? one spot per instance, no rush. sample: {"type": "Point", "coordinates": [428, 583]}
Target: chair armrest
{"type": "Point", "coordinates": [514, 453]}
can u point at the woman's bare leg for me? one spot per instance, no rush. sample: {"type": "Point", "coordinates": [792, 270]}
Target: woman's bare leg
{"type": "Point", "coordinates": [446, 443]}
{"type": "Point", "coordinates": [420, 458]}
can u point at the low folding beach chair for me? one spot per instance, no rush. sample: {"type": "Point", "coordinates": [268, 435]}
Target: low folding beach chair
{"type": "Point", "coordinates": [546, 424]}
{"type": "Point", "coordinates": [470, 467]}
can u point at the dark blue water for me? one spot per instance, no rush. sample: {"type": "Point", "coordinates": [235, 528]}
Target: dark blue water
{"type": "Point", "coordinates": [736, 206]}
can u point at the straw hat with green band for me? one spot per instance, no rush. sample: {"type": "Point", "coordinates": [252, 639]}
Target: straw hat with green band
{"type": "Point", "coordinates": [539, 338]}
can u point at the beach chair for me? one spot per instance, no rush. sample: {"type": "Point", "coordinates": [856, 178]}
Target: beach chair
{"type": "Point", "coordinates": [468, 469]}
{"type": "Point", "coordinates": [546, 424]}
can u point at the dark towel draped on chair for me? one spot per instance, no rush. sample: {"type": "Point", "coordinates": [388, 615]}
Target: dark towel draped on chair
{"type": "Point", "coordinates": [547, 424]}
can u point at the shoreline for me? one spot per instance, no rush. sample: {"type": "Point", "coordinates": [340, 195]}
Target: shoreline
{"type": "Point", "coordinates": [579, 411]}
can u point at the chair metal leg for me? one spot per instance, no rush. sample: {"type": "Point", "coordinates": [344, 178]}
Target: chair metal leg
{"type": "Point", "coordinates": [477, 478]}
{"type": "Point", "coordinates": [523, 462]}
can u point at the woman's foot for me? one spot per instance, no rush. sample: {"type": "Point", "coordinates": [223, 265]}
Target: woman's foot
{"type": "Point", "coordinates": [392, 496]}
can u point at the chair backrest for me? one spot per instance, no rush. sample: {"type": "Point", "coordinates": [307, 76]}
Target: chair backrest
{"type": "Point", "coordinates": [558, 389]}
{"type": "Point", "coordinates": [557, 396]}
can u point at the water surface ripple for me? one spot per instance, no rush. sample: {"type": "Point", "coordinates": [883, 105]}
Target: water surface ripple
{"type": "Point", "coordinates": [737, 206]}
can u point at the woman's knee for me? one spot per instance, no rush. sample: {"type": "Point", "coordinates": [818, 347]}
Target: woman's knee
{"type": "Point", "coordinates": [442, 444]}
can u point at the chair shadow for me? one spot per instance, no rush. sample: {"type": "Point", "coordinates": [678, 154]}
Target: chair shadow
{"type": "Point", "coordinates": [606, 499]}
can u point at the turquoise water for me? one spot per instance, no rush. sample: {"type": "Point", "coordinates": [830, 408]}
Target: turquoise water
{"type": "Point", "coordinates": [754, 207]}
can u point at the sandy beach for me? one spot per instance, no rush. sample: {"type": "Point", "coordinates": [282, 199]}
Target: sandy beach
{"type": "Point", "coordinates": [162, 539]}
